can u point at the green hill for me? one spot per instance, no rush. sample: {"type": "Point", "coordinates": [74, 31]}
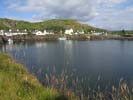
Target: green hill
{"type": "Point", "coordinates": [57, 25]}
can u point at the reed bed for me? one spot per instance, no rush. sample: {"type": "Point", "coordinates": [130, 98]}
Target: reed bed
{"type": "Point", "coordinates": [75, 89]}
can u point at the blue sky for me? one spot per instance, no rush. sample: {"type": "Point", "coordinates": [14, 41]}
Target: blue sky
{"type": "Point", "coordinates": [108, 14]}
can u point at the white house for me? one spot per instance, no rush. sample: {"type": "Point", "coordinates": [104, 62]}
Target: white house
{"type": "Point", "coordinates": [76, 33]}
{"type": "Point", "coordinates": [45, 32]}
{"type": "Point", "coordinates": [92, 31]}
{"type": "Point", "coordinates": [25, 30]}
{"type": "Point", "coordinates": [69, 31]}
{"type": "Point", "coordinates": [2, 32]}
{"type": "Point", "coordinates": [36, 32]}
{"type": "Point", "coordinates": [97, 33]}
{"type": "Point", "coordinates": [23, 33]}
{"type": "Point", "coordinates": [17, 32]}
{"type": "Point", "coordinates": [8, 34]}
{"type": "Point", "coordinates": [79, 32]}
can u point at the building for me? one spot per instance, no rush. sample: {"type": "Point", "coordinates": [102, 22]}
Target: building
{"type": "Point", "coordinates": [2, 32]}
{"type": "Point", "coordinates": [76, 33]}
{"type": "Point", "coordinates": [97, 33]}
{"type": "Point", "coordinates": [69, 31]}
{"type": "Point", "coordinates": [36, 32]}
{"type": "Point", "coordinates": [15, 32]}
{"type": "Point", "coordinates": [80, 32]}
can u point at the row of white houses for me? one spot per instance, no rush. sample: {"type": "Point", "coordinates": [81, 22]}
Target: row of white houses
{"type": "Point", "coordinates": [37, 32]}
{"type": "Point", "coordinates": [71, 32]}
{"type": "Point", "coordinates": [24, 32]}
{"type": "Point", "coordinates": [12, 33]}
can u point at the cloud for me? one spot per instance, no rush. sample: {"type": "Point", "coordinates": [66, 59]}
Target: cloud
{"type": "Point", "coordinates": [114, 19]}
{"type": "Point", "coordinates": [82, 10]}
{"type": "Point", "coordinates": [110, 14]}
{"type": "Point", "coordinates": [111, 1]}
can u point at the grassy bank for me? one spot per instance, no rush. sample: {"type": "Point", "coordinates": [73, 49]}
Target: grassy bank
{"type": "Point", "coordinates": [17, 84]}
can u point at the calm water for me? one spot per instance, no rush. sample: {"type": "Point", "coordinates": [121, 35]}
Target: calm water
{"type": "Point", "coordinates": [101, 62]}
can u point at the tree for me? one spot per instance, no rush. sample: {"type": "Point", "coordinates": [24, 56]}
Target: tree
{"type": "Point", "coordinates": [123, 32]}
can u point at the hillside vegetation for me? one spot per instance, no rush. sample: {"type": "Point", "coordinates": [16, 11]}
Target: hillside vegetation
{"type": "Point", "coordinates": [56, 25]}
{"type": "Point", "coordinates": [123, 32]}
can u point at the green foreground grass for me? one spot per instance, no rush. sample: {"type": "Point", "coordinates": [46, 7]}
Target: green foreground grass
{"type": "Point", "coordinates": [17, 84]}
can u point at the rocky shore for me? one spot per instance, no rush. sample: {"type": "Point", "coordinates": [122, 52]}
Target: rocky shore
{"type": "Point", "coordinates": [27, 38]}
{"type": "Point", "coordinates": [33, 38]}
{"type": "Point", "coordinates": [122, 38]}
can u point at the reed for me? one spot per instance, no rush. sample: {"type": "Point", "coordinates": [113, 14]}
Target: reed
{"type": "Point", "coordinates": [75, 89]}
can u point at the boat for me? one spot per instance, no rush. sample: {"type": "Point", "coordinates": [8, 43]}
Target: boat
{"type": "Point", "coordinates": [62, 38]}
{"type": "Point", "coordinates": [10, 41]}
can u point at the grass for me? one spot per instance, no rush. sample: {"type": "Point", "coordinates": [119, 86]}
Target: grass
{"type": "Point", "coordinates": [17, 84]}
{"type": "Point", "coordinates": [81, 91]}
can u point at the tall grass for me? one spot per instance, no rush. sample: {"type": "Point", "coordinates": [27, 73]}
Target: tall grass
{"type": "Point", "coordinates": [73, 87]}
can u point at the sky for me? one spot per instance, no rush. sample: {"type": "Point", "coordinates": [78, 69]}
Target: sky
{"type": "Point", "coordinates": [107, 14]}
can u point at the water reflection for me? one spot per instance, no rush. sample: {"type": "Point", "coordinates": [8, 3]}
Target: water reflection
{"type": "Point", "coordinates": [95, 62]}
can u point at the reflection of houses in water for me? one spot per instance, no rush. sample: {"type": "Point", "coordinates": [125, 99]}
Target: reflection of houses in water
{"type": "Point", "coordinates": [7, 47]}
{"type": "Point", "coordinates": [39, 44]}
{"type": "Point", "coordinates": [68, 52]}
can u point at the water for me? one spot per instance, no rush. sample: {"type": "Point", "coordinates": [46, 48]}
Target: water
{"type": "Point", "coordinates": [95, 63]}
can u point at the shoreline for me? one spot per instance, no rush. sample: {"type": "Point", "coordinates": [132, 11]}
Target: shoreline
{"type": "Point", "coordinates": [22, 85]}
{"type": "Point", "coordinates": [26, 38]}
{"type": "Point", "coordinates": [122, 38]}
{"type": "Point", "coordinates": [83, 37]}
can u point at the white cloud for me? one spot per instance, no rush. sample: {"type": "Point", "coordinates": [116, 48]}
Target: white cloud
{"type": "Point", "coordinates": [114, 18]}
{"type": "Point", "coordinates": [114, 15]}
{"type": "Point", "coordinates": [77, 9]}
{"type": "Point", "coordinates": [101, 13]}
{"type": "Point", "coordinates": [111, 1]}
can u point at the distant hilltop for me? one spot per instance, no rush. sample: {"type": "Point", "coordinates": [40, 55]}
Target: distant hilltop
{"type": "Point", "coordinates": [56, 25]}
